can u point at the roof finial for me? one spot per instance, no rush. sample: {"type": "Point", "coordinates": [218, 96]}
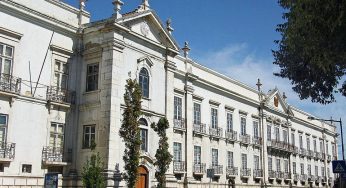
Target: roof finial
{"type": "Point", "coordinates": [186, 49]}
{"type": "Point", "coordinates": [80, 14]}
{"type": "Point", "coordinates": [117, 7]}
{"type": "Point", "coordinates": [168, 26]}
{"type": "Point", "coordinates": [259, 84]}
{"type": "Point", "coordinates": [144, 6]}
{"type": "Point", "coordinates": [284, 96]}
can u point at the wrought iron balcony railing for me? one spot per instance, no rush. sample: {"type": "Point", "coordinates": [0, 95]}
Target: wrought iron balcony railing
{"type": "Point", "coordinates": [7, 151]}
{"type": "Point", "coordinates": [218, 169]}
{"type": "Point", "coordinates": [257, 173]}
{"type": "Point", "coordinates": [317, 155]}
{"type": "Point", "coordinates": [257, 141]}
{"type": "Point", "coordinates": [296, 177]}
{"type": "Point", "coordinates": [199, 168]}
{"type": "Point", "coordinates": [232, 171]}
{"type": "Point", "coordinates": [215, 132]}
{"type": "Point", "coordinates": [59, 95]}
{"type": "Point", "coordinates": [279, 145]}
{"type": "Point", "coordinates": [324, 179]}
{"type": "Point", "coordinates": [318, 179]}
{"type": "Point", "coordinates": [295, 150]}
{"type": "Point", "coordinates": [179, 124]}
{"type": "Point", "coordinates": [231, 135]}
{"type": "Point", "coordinates": [9, 83]}
{"type": "Point", "coordinates": [311, 178]}
{"type": "Point", "coordinates": [287, 175]}
{"type": "Point", "coordinates": [329, 158]}
{"type": "Point", "coordinates": [200, 128]}
{"type": "Point", "coordinates": [245, 172]}
{"type": "Point", "coordinates": [244, 139]}
{"type": "Point", "coordinates": [303, 177]}
{"type": "Point", "coordinates": [323, 156]}
{"type": "Point", "coordinates": [53, 156]}
{"type": "Point", "coordinates": [271, 174]}
{"type": "Point", "coordinates": [310, 154]}
{"type": "Point", "coordinates": [302, 152]}
{"type": "Point", "coordinates": [279, 175]}
{"type": "Point", "coordinates": [179, 166]}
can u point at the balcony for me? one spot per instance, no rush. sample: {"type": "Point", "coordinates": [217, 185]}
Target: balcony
{"type": "Point", "coordinates": [258, 173]}
{"type": "Point", "coordinates": [10, 84]}
{"type": "Point", "coordinates": [244, 139]}
{"type": "Point", "coordinates": [317, 155]}
{"type": "Point", "coordinates": [303, 177]}
{"type": "Point", "coordinates": [199, 169]}
{"type": "Point", "coordinates": [295, 150]}
{"type": "Point", "coordinates": [245, 172]}
{"type": "Point", "coordinates": [296, 177]}
{"type": "Point", "coordinates": [200, 129]}
{"type": "Point", "coordinates": [179, 124]}
{"type": "Point", "coordinates": [323, 156]}
{"type": "Point", "coordinates": [302, 152]}
{"type": "Point", "coordinates": [330, 179]}
{"type": "Point", "coordinates": [59, 95]}
{"type": "Point", "coordinates": [287, 176]}
{"type": "Point", "coordinates": [215, 132]}
{"type": "Point", "coordinates": [318, 179]}
{"type": "Point", "coordinates": [279, 145]}
{"type": "Point", "coordinates": [53, 156]}
{"type": "Point", "coordinates": [329, 158]}
{"type": "Point", "coordinates": [218, 170]}
{"type": "Point", "coordinates": [311, 178]}
{"type": "Point", "coordinates": [257, 141]}
{"type": "Point", "coordinates": [280, 175]}
{"type": "Point", "coordinates": [271, 174]}
{"type": "Point", "coordinates": [232, 171]}
{"type": "Point", "coordinates": [310, 154]}
{"type": "Point", "coordinates": [178, 167]}
{"type": "Point", "coordinates": [7, 151]}
{"type": "Point", "coordinates": [231, 135]}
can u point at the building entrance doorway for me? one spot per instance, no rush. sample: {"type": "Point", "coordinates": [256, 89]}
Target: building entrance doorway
{"type": "Point", "coordinates": [142, 181]}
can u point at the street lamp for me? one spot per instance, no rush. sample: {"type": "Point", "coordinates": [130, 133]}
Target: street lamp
{"type": "Point", "coordinates": [333, 121]}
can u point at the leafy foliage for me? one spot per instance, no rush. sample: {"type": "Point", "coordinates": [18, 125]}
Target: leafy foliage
{"type": "Point", "coordinates": [312, 51]}
{"type": "Point", "coordinates": [130, 131]}
{"type": "Point", "coordinates": [92, 175]}
{"type": "Point", "coordinates": [162, 155]}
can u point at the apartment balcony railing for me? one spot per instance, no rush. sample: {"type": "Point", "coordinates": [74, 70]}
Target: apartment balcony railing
{"type": "Point", "coordinates": [296, 177]}
{"type": "Point", "coordinates": [257, 141]}
{"type": "Point", "coordinates": [179, 166]}
{"type": "Point", "coordinates": [317, 155]}
{"type": "Point", "coordinates": [179, 124]}
{"type": "Point", "coordinates": [310, 154]}
{"type": "Point", "coordinates": [303, 177]}
{"type": "Point", "coordinates": [59, 95]}
{"type": "Point", "coordinates": [323, 156]}
{"type": "Point", "coordinates": [7, 151]}
{"type": "Point", "coordinates": [218, 169]}
{"type": "Point", "coordinates": [280, 175]}
{"type": "Point", "coordinates": [318, 179]}
{"type": "Point", "coordinates": [271, 174]}
{"type": "Point", "coordinates": [245, 172]}
{"type": "Point", "coordinates": [215, 132]}
{"type": "Point", "coordinates": [324, 179]}
{"type": "Point", "coordinates": [295, 150]}
{"type": "Point", "coordinates": [279, 145]}
{"type": "Point", "coordinates": [232, 171]}
{"type": "Point", "coordinates": [53, 156]}
{"type": "Point", "coordinates": [329, 158]}
{"type": "Point", "coordinates": [244, 139]}
{"type": "Point", "coordinates": [200, 128]}
{"type": "Point", "coordinates": [9, 83]}
{"type": "Point", "coordinates": [311, 178]}
{"type": "Point", "coordinates": [231, 135]}
{"type": "Point", "coordinates": [199, 168]}
{"type": "Point", "coordinates": [287, 175]}
{"type": "Point", "coordinates": [302, 152]}
{"type": "Point", "coordinates": [257, 173]}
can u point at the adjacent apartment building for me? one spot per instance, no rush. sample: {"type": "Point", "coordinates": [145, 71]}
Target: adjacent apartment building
{"type": "Point", "coordinates": [62, 82]}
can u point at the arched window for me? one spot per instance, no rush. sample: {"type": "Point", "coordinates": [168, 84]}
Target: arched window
{"type": "Point", "coordinates": [144, 134]}
{"type": "Point", "coordinates": [144, 82]}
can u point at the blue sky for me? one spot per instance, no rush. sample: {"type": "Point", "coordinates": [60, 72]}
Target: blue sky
{"type": "Point", "coordinates": [234, 37]}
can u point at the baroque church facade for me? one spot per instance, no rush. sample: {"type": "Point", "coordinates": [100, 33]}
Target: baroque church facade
{"type": "Point", "coordinates": [62, 81]}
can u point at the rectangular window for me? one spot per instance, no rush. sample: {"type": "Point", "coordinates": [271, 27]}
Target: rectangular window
{"type": "Point", "coordinates": [308, 143]}
{"type": "Point", "coordinates": [60, 75]}
{"type": "Point", "coordinates": [214, 157]}
{"type": "Point", "coordinates": [286, 166]}
{"type": "Point", "coordinates": [243, 161]}
{"type": "Point", "coordinates": [270, 163]}
{"type": "Point", "coordinates": [3, 127]}
{"type": "Point", "coordinates": [316, 170]}
{"type": "Point", "coordinates": [321, 147]}
{"type": "Point", "coordinates": [6, 59]}
{"type": "Point", "coordinates": [196, 113]}
{"type": "Point", "coordinates": [301, 168]}
{"type": "Point", "coordinates": [285, 135]}
{"type": "Point", "coordinates": [293, 139]}
{"type": "Point", "coordinates": [243, 125]}
{"type": "Point", "coordinates": [309, 169]}
{"type": "Point", "coordinates": [333, 150]}
{"type": "Point", "coordinates": [197, 154]}
{"type": "Point", "coordinates": [294, 168]}
{"type": "Point", "coordinates": [315, 145]}
{"type": "Point", "coordinates": [144, 139]}
{"type": "Point", "coordinates": [214, 118]}
{"type": "Point", "coordinates": [56, 138]}
{"type": "Point", "coordinates": [277, 133]}
{"type": "Point", "coordinates": [92, 77]}
{"type": "Point", "coordinates": [255, 129]}
{"type": "Point", "coordinates": [327, 148]}
{"type": "Point", "coordinates": [256, 162]}
{"type": "Point", "coordinates": [88, 136]}
{"type": "Point", "coordinates": [328, 171]}
{"type": "Point", "coordinates": [229, 122]}
{"type": "Point", "coordinates": [177, 108]}
{"type": "Point", "coordinates": [322, 171]}
{"type": "Point", "coordinates": [230, 159]}
{"type": "Point", "coordinates": [177, 156]}
{"type": "Point", "coordinates": [278, 165]}
{"type": "Point", "coordinates": [269, 132]}
{"type": "Point", "coordinates": [26, 168]}
{"type": "Point", "coordinates": [301, 141]}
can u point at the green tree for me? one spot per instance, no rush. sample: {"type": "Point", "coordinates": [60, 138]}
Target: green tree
{"type": "Point", "coordinates": [163, 157]}
{"type": "Point", "coordinates": [92, 175]}
{"type": "Point", "coordinates": [130, 131]}
{"type": "Point", "coordinates": [312, 50]}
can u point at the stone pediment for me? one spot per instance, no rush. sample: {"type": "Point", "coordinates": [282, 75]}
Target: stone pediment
{"type": "Point", "coordinates": [275, 101]}
{"type": "Point", "coordinates": [147, 24]}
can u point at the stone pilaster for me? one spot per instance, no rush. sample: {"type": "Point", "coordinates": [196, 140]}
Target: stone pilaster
{"type": "Point", "coordinates": [189, 129]}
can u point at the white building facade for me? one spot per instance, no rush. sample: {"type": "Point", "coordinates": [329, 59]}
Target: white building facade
{"type": "Point", "coordinates": [62, 85]}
